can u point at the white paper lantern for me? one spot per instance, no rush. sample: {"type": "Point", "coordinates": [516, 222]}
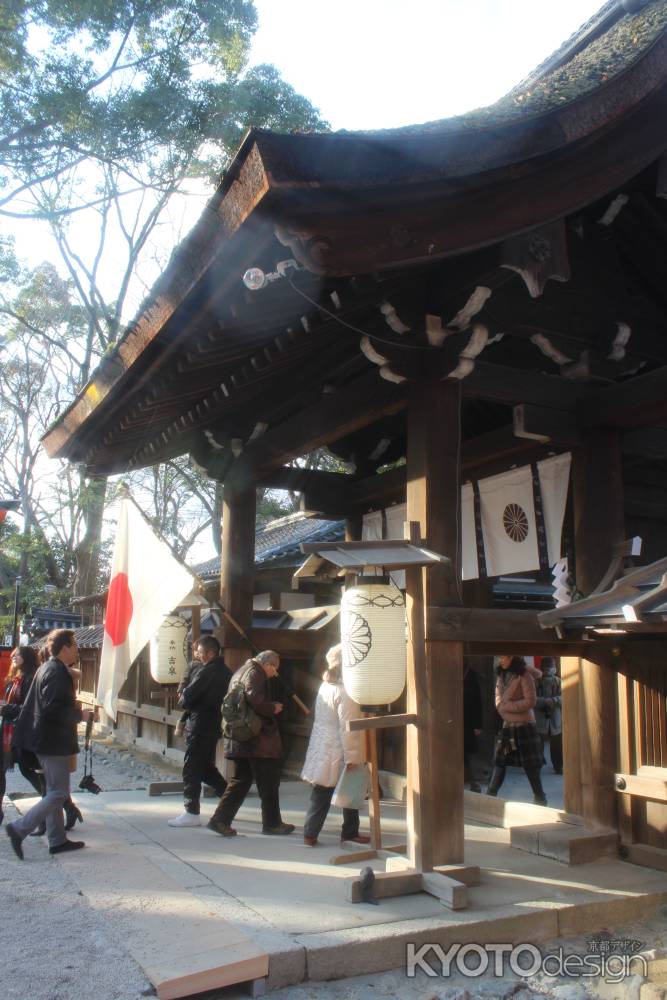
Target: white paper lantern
{"type": "Point", "coordinates": [169, 650]}
{"type": "Point", "coordinates": [373, 637]}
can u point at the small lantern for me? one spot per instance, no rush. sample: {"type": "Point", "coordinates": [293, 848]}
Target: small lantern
{"type": "Point", "coordinates": [169, 650]}
{"type": "Point", "coordinates": [373, 637]}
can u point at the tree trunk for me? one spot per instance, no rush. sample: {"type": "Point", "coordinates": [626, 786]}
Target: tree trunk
{"type": "Point", "coordinates": [87, 553]}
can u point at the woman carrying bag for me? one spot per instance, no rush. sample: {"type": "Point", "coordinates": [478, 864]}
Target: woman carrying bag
{"type": "Point", "coordinates": [331, 750]}
{"type": "Point", "coordinates": [518, 743]}
{"type": "Point", "coordinates": [24, 664]}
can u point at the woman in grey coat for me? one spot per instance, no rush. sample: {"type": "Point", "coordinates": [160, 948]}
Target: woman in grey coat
{"type": "Point", "coordinates": [548, 711]}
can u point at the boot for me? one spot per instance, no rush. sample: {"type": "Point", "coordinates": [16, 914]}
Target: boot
{"type": "Point", "coordinates": [497, 778]}
{"type": "Point", "coordinates": [539, 797]}
{"type": "Point", "coordinates": [72, 814]}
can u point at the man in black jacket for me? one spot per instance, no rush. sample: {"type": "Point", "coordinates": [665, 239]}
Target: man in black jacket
{"type": "Point", "coordinates": [202, 699]}
{"type": "Point", "coordinates": [47, 725]}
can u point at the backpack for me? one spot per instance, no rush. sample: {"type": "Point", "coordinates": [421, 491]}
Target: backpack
{"type": "Point", "coordinates": [240, 722]}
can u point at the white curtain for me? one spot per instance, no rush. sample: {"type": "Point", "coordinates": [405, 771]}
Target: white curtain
{"type": "Point", "coordinates": [554, 476]}
{"type": "Point", "coordinates": [371, 527]}
{"type": "Point", "coordinates": [396, 517]}
{"type": "Point", "coordinates": [508, 522]}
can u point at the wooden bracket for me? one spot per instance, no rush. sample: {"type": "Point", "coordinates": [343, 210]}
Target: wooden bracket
{"type": "Point", "coordinates": [446, 883]}
{"type": "Point", "coordinates": [381, 722]}
{"type": "Point", "coordinates": [642, 787]}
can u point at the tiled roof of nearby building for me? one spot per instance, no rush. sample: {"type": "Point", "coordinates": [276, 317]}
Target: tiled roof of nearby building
{"type": "Point", "coordinates": [278, 542]}
{"type": "Point", "coordinates": [89, 637]}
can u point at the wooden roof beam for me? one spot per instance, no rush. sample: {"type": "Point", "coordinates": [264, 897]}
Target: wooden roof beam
{"type": "Point", "coordinates": [639, 402]}
{"type": "Point", "coordinates": [335, 415]}
{"type": "Point", "coordinates": [341, 499]}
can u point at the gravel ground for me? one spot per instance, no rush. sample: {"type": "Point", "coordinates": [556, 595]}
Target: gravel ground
{"type": "Point", "coordinates": [56, 947]}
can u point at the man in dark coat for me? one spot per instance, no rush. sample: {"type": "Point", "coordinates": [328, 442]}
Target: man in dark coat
{"type": "Point", "coordinates": [202, 699]}
{"type": "Point", "coordinates": [47, 726]}
{"type": "Point", "coordinates": [258, 759]}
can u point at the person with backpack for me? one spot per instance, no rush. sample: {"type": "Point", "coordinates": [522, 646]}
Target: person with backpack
{"type": "Point", "coordinates": [202, 697]}
{"type": "Point", "coordinates": [253, 743]}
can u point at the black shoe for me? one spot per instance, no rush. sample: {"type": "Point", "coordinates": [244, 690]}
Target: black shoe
{"type": "Point", "coordinates": [15, 841]}
{"type": "Point", "coordinates": [279, 831]}
{"type": "Point", "coordinates": [67, 845]}
{"type": "Point", "coordinates": [39, 832]}
{"type": "Point", "coordinates": [474, 787]}
{"type": "Point", "coordinates": [72, 814]}
{"type": "Point", "coordinates": [221, 828]}
{"type": "Point", "coordinates": [539, 802]}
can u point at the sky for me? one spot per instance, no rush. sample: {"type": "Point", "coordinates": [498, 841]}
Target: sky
{"type": "Point", "coordinates": [384, 63]}
{"type": "Point", "coordinates": [371, 64]}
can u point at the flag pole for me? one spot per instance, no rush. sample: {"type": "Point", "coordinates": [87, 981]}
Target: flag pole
{"type": "Point", "coordinates": [244, 635]}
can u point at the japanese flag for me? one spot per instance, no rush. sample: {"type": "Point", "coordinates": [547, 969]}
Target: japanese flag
{"type": "Point", "coordinates": [147, 582]}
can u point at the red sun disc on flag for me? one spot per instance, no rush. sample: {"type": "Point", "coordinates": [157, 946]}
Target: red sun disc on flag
{"type": "Point", "coordinates": [119, 609]}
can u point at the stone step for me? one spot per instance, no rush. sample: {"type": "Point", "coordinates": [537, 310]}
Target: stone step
{"type": "Point", "coordinates": [569, 844]}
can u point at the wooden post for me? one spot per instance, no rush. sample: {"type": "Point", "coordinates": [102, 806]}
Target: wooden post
{"type": "Point", "coordinates": [195, 622]}
{"type": "Point", "coordinates": [419, 790]}
{"type": "Point", "coordinates": [598, 526]}
{"type": "Point", "coordinates": [238, 564]}
{"type": "Point", "coordinates": [570, 668]}
{"type": "Point", "coordinates": [625, 752]}
{"type": "Point", "coordinates": [434, 501]}
{"type": "Point", "coordinates": [374, 798]}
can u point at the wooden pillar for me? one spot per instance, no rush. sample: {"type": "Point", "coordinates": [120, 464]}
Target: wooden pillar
{"type": "Point", "coordinates": [195, 624]}
{"type": "Point", "coordinates": [434, 501]}
{"type": "Point", "coordinates": [598, 524]}
{"type": "Point", "coordinates": [598, 505]}
{"type": "Point", "coordinates": [570, 669]}
{"type": "Point", "coordinates": [238, 565]}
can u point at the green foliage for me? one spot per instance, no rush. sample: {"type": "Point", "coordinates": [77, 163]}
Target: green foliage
{"type": "Point", "coordinates": [36, 589]}
{"type": "Point", "coordinates": [131, 83]}
{"type": "Point", "coordinates": [106, 108]}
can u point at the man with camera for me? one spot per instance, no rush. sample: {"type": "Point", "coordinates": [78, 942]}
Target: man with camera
{"type": "Point", "coordinates": [47, 726]}
{"type": "Point", "coordinates": [202, 697]}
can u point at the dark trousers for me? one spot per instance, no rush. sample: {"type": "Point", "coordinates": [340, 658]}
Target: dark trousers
{"type": "Point", "coordinates": [318, 808]}
{"type": "Point", "coordinates": [199, 766]}
{"type": "Point", "coordinates": [265, 772]}
{"type": "Point", "coordinates": [29, 773]}
{"type": "Point", "coordinates": [555, 741]}
{"type": "Point", "coordinates": [533, 775]}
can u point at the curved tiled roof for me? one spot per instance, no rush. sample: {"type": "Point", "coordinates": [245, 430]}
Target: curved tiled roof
{"type": "Point", "coordinates": [561, 79]}
{"type": "Point", "coordinates": [279, 541]}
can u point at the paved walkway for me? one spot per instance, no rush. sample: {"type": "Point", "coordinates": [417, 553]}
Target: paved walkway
{"type": "Point", "coordinates": [290, 901]}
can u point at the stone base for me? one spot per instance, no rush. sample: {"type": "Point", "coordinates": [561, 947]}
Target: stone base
{"type": "Point", "coordinates": [571, 845]}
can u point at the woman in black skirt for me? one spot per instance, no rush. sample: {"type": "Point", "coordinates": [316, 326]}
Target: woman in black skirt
{"type": "Point", "coordinates": [24, 663]}
{"type": "Point", "coordinates": [518, 743]}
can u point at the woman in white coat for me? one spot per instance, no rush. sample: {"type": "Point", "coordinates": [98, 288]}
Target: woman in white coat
{"type": "Point", "coordinates": [330, 749]}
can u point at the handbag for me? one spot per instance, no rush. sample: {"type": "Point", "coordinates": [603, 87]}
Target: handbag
{"type": "Point", "coordinates": [352, 788]}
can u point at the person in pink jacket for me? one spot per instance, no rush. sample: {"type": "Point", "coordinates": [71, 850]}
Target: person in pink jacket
{"type": "Point", "coordinates": [518, 743]}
